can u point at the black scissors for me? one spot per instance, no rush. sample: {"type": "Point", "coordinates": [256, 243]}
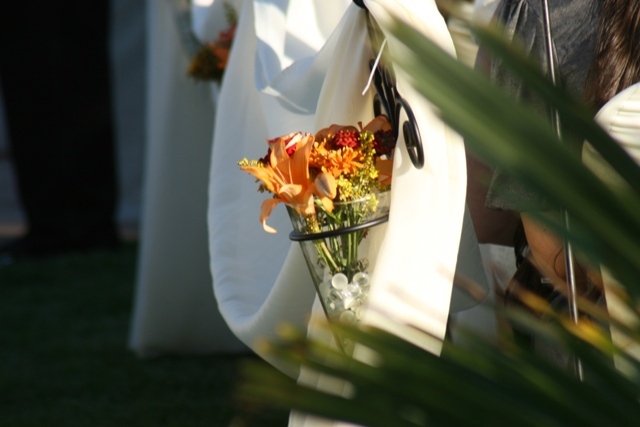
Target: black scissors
{"type": "Point", "coordinates": [387, 97]}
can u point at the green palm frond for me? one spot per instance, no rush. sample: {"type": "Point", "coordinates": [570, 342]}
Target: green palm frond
{"type": "Point", "coordinates": [475, 385]}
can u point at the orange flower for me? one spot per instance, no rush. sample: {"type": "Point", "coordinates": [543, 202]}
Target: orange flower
{"type": "Point", "coordinates": [222, 53]}
{"type": "Point", "coordinates": [287, 177]}
{"type": "Point", "coordinates": [221, 48]}
{"type": "Point", "coordinates": [380, 123]}
{"type": "Point", "coordinates": [336, 160]}
{"type": "Point", "coordinates": [344, 160]}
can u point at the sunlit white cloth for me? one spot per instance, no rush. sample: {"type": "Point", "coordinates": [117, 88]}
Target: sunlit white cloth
{"type": "Point", "coordinates": [175, 311]}
{"type": "Point", "coordinates": [261, 280]}
{"type": "Point", "coordinates": [466, 47]}
{"type": "Point", "coordinates": [422, 243]}
{"type": "Point", "coordinates": [620, 117]}
{"type": "Point", "coordinates": [413, 276]}
{"type": "Point", "coordinates": [483, 10]}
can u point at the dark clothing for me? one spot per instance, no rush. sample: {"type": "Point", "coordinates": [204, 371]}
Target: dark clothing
{"type": "Point", "coordinates": [574, 25]}
{"type": "Point", "coordinates": [55, 74]}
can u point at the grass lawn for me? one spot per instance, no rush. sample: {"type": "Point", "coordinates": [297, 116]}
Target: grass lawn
{"type": "Point", "coordinates": [64, 359]}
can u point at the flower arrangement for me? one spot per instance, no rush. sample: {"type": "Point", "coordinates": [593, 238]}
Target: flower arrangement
{"type": "Point", "coordinates": [210, 60]}
{"type": "Point", "coordinates": [312, 172]}
{"type": "Point", "coordinates": [330, 182]}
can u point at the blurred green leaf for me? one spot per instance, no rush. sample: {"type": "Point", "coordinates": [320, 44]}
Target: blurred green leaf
{"type": "Point", "coordinates": [466, 386]}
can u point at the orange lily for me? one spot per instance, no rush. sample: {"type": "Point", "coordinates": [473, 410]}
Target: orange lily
{"type": "Point", "coordinates": [287, 177]}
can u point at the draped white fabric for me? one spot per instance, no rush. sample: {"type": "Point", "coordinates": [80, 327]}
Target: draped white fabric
{"type": "Point", "coordinates": [175, 311]}
{"type": "Point", "coordinates": [620, 117]}
{"type": "Point", "coordinates": [261, 280]}
{"type": "Point", "coordinates": [246, 261]}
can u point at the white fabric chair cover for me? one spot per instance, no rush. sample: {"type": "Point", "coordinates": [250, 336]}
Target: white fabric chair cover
{"type": "Point", "coordinates": [261, 280]}
{"type": "Point", "coordinates": [175, 311]}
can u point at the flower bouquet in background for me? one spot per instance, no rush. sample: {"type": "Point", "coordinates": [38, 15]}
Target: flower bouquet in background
{"type": "Point", "coordinates": [210, 60]}
{"type": "Point", "coordinates": [335, 186]}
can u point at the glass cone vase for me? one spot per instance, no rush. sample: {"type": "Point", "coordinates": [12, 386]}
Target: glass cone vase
{"type": "Point", "coordinates": [340, 255]}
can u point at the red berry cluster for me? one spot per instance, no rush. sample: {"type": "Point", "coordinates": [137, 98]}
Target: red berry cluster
{"type": "Point", "coordinates": [384, 142]}
{"type": "Point", "coordinates": [346, 138]}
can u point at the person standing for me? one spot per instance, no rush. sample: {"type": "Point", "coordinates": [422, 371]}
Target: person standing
{"type": "Point", "coordinates": [54, 70]}
{"type": "Point", "coordinates": [501, 210]}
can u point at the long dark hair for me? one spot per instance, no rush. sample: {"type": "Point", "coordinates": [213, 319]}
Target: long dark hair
{"type": "Point", "coordinates": [617, 61]}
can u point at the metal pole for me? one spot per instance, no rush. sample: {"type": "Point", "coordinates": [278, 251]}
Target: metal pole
{"type": "Point", "coordinates": [568, 251]}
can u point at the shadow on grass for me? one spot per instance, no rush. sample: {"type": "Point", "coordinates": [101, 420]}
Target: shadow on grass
{"type": "Point", "coordinates": [64, 360]}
